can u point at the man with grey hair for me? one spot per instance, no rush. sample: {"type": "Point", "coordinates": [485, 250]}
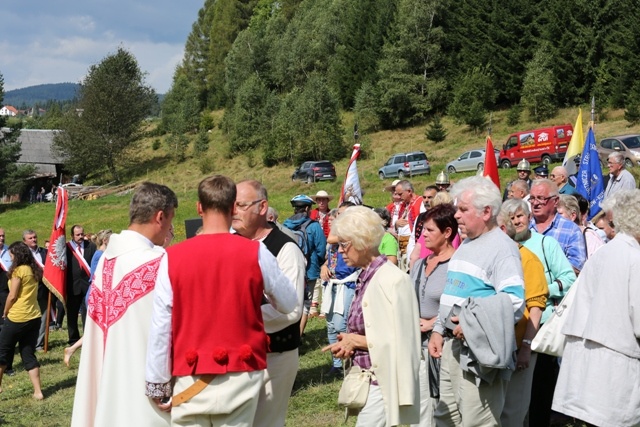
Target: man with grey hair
{"type": "Point", "coordinates": [547, 221]}
{"type": "Point", "coordinates": [111, 379]}
{"type": "Point", "coordinates": [602, 357]}
{"type": "Point", "coordinates": [283, 329]}
{"type": "Point", "coordinates": [619, 177]}
{"type": "Point", "coordinates": [484, 272]}
{"type": "Point", "coordinates": [560, 176]}
{"type": "Point", "coordinates": [404, 225]}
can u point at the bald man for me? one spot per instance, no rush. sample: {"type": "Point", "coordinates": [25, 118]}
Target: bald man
{"type": "Point", "coordinates": [560, 176]}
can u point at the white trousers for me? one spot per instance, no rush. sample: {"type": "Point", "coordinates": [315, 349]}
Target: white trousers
{"type": "Point", "coordinates": [373, 413]}
{"type": "Point", "coordinates": [275, 392]}
{"type": "Point", "coordinates": [229, 400]}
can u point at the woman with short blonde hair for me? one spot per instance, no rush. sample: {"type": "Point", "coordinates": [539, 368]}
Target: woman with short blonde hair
{"type": "Point", "coordinates": [383, 335]}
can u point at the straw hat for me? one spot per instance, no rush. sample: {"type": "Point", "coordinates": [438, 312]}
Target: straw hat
{"type": "Point", "coordinates": [322, 195]}
{"type": "Point", "coordinates": [392, 187]}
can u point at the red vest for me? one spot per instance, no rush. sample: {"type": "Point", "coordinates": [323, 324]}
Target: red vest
{"type": "Point", "coordinates": [217, 323]}
{"type": "Point", "coordinates": [315, 215]}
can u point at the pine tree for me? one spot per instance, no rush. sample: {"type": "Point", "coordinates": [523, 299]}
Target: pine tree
{"type": "Point", "coordinates": [539, 89]}
{"type": "Point", "coordinates": [436, 132]}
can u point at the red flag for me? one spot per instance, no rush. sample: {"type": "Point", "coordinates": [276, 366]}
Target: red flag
{"type": "Point", "coordinates": [55, 266]}
{"type": "Point", "coordinates": [351, 190]}
{"type": "Point", "coordinates": [490, 163]}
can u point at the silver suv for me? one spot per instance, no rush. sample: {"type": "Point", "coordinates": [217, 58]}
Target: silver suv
{"type": "Point", "coordinates": [405, 164]}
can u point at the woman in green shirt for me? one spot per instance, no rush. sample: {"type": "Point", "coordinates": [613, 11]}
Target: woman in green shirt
{"type": "Point", "coordinates": [22, 315]}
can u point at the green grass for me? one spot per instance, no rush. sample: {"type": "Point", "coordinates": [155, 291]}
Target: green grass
{"type": "Point", "coordinates": [313, 402]}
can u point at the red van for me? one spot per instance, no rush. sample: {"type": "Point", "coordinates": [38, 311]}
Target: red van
{"type": "Point", "coordinates": [539, 145]}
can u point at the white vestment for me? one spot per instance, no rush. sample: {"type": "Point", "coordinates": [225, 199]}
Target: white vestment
{"type": "Point", "coordinates": [111, 379]}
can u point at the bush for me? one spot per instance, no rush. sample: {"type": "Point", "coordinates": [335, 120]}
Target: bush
{"type": "Point", "coordinates": [513, 116]}
{"type": "Point", "coordinates": [155, 146]}
{"type": "Point", "coordinates": [202, 142]}
{"type": "Point", "coordinates": [206, 165]}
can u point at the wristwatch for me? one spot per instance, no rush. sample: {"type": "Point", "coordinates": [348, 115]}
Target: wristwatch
{"type": "Point", "coordinates": [527, 342]}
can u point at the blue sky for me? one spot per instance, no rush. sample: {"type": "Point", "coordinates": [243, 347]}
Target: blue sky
{"type": "Point", "coordinates": [55, 41]}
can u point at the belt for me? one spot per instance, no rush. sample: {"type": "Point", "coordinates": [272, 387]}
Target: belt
{"type": "Point", "coordinates": [193, 390]}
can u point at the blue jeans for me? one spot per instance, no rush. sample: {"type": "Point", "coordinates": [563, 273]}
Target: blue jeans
{"type": "Point", "coordinates": [336, 322]}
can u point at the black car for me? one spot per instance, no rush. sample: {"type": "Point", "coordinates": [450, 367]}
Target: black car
{"type": "Point", "coordinates": [322, 170]}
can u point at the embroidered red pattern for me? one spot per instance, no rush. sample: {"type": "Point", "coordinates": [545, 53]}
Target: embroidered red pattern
{"type": "Point", "coordinates": [107, 305]}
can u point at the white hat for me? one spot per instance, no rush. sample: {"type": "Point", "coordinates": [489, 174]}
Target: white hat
{"type": "Point", "coordinates": [392, 186]}
{"type": "Point", "coordinates": [322, 195]}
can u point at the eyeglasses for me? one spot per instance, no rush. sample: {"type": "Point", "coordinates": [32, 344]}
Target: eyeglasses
{"type": "Point", "coordinates": [344, 245]}
{"type": "Point", "coordinates": [243, 206]}
{"type": "Point", "coordinates": [542, 200]}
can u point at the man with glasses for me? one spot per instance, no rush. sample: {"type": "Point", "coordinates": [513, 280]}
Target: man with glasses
{"type": "Point", "coordinates": [547, 221]}
{"type": "Point", "coordinates": [619, 177]}
{"type": "Point", "coordinates": [283, 329]}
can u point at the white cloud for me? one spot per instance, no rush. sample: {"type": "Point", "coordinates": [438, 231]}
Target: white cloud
{"type": "Point", "coordinates": [52, 42]}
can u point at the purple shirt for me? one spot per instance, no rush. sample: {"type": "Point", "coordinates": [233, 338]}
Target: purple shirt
{"type": "Point", "coordinates": [355, 323]}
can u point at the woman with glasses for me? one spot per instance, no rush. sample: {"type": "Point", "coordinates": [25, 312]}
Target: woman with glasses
{"type": "Point", "coordinates": [382, 336]}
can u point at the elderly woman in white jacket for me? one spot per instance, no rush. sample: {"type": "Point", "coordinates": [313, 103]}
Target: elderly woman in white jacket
{"type": "Point", "coordinates": [382, 332]}
{"type": "Point", "coordinates": [598, 380]}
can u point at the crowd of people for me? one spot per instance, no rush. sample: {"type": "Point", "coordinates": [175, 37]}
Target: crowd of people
{"type": "Point", "coordinates": [436, 296]}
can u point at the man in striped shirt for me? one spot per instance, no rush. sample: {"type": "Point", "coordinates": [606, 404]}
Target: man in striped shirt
{"type": "Point", "coordinates": [485, 265]}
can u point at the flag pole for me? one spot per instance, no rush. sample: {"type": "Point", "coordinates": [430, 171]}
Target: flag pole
{"type": "Point", "coordinates": [45, 348]}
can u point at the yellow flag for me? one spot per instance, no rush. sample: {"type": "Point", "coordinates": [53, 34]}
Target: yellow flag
{"type": "Point", "coordinates": [575, 146]}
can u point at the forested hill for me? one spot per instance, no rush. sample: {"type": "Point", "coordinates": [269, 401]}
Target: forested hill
{"type": "Point", "coordinates": [284, 69]}
{"type": "Point", "coordinates": [40, 94]}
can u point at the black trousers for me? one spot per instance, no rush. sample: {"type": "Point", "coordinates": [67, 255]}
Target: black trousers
{"type": "Point", "coordinates": [545, 376]}
{"type": "Point", "coordinates": [25, 334]}
{"type": "Point", "coordinates": [75, 305]}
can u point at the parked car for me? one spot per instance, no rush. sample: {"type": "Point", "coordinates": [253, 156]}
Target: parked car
{"type": "Point", "coordinates": [628, 145]}
{"type": "Point", "coordinates": [405, 164]}
{"type": "Point", "coordinates": [469, 161]}
{"type": "Point", "coordinates": [322, 170]}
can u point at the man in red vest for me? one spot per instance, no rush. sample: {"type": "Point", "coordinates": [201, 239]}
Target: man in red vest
{"type": "Point", "coordinates": [207, 330]}
{"type": "Point", "coordinates": [321, 213]}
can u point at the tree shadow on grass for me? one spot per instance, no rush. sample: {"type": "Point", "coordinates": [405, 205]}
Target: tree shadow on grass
{"type": "Point", "coordinates": [61, 385]}
{"type": "Point", "coordinates": [9, 207]}
{"type": "Point", "coordinates": [138, 168]}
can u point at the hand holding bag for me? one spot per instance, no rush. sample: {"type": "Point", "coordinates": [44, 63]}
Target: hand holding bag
{"type": "Point", "coordinates": [550, 339]}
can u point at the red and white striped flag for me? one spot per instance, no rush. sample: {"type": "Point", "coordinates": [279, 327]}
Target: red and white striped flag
{"type": "Point", "coordinates": [55, 266]}
{"type": "Point", "coordinates": [351, 190]}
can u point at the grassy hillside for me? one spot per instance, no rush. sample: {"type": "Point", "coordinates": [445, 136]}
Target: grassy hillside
{"type": "Point", "coordinates": [157, 166]}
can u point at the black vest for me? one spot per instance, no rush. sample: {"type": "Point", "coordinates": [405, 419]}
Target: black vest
{"type": "Point", "coordinates": [288, 338]}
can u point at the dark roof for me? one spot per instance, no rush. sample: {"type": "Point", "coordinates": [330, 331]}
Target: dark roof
{"type": "Point", "coordinates": [36, 150]}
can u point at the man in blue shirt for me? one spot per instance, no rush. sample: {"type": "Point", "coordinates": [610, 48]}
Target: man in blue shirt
{"type": "Point", "coordinates": [547, 221]}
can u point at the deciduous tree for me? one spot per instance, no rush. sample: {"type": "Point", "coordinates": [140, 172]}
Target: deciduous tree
{"type": "Point", "coordinates": [107, 124]}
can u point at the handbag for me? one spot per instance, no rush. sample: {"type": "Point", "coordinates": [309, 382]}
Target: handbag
{"type": "Point", "coordinates": [550, 339]}
{"type": "Point", "coordinates": [355, 388]}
